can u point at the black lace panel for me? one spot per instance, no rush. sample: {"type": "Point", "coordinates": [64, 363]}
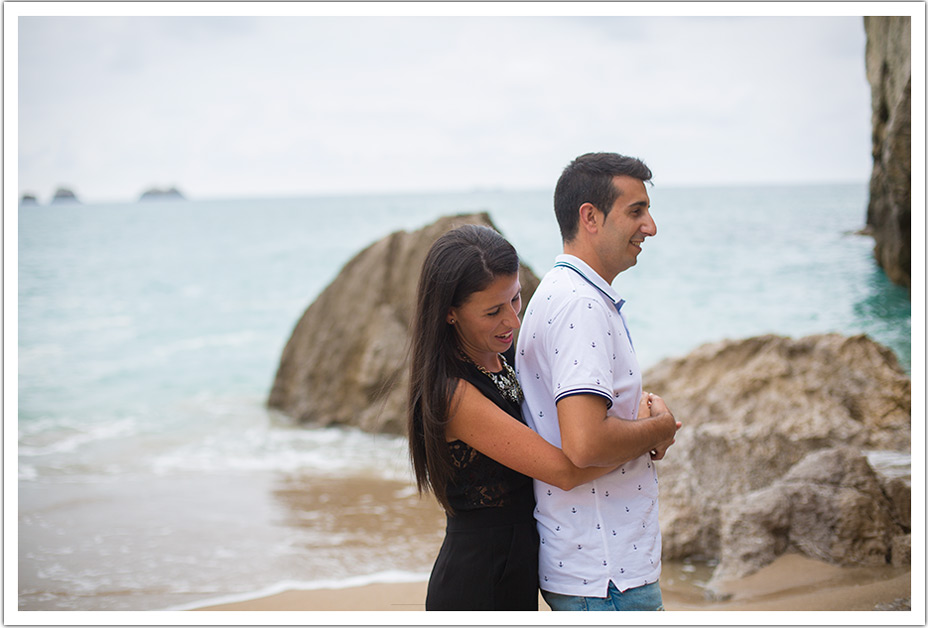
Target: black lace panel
{"type": "Point", "coordinates": [480, 481]}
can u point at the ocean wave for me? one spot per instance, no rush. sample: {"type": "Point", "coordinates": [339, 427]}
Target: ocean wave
{"type": "Point", "coordinates": [321, 451]}
{"type": "Point", "coordinates": [381, 577]}
{"type": "Point", "coordinates": [236, 339]}
{"type": "Point", "coordinates": [204, 433]}
{"type": "Point", "coordinates": [49, 437]}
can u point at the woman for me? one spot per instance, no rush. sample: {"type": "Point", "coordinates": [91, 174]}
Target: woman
{"type": "Point", "coordinates": [468, 441]}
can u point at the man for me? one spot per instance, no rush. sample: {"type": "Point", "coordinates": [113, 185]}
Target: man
{"type": "Point", "coordinates": [600, 542]}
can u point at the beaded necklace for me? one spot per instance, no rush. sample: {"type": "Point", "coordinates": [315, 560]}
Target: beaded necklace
{"type": "Point", "coordinates": [506, 380]}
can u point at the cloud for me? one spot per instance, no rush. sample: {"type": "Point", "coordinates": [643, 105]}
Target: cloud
{"type": "Point", "coordinates": [225, 106]}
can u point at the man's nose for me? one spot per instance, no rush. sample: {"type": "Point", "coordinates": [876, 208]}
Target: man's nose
{"type": "Point", "coordinates": [650, 228]}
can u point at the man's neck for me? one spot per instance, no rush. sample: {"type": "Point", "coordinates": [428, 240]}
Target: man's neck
{"type": "Point", "coordinates": [586, 253]}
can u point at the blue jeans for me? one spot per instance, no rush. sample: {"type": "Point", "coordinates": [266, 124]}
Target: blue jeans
{"type": "Point", "coordinates": [646, 598]}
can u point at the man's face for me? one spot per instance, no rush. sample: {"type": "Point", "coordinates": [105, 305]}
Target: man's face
{"type": "Point", "coordinates": [626, 226]}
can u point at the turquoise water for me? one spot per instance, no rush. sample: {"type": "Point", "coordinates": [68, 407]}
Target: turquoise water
{"type": "Point", "coordinates": [149, 335]}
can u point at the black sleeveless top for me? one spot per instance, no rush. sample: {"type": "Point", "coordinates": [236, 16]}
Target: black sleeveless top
{"type": "Point", "coordinates": [489, 558]}
{"type": "Point", "coordinates": [480, 481]}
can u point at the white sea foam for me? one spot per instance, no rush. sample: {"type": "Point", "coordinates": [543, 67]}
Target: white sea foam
{"type": "Point", "coordinates": [382, 577]}
{"type": "Point", "coordinates": [58, 437]}
{"type": "Point", "coordinates": [894, 464]}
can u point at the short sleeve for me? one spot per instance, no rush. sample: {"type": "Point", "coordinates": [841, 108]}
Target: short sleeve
{"type": "Point", "coordinates": [581, 349]}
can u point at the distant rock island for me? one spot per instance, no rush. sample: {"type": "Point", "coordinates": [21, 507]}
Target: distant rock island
{"type": "Point", "coordinates": [28, 199]}
{"type": "Point", "coordinates": [159, 194]}
{"type": "Point", "coordinates": [64, 195]}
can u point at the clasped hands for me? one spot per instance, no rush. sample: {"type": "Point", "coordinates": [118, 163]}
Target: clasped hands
{"type": "Point", "coordinates": [653, 405]}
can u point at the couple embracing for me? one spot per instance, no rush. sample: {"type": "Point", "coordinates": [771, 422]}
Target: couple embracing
{"type": "Point", "coordinates": [541, 454]}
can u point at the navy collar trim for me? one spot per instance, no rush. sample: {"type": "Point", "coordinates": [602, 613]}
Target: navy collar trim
{"type": "Point", "coordinates": [566, 264]}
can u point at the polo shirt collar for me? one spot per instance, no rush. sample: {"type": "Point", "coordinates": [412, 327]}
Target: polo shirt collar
{"type": "Point", "coordinates": [591, 276]}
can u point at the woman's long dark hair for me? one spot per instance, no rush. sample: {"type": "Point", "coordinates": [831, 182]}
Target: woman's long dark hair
{"type": "Point", "coordinates": [463, 261]}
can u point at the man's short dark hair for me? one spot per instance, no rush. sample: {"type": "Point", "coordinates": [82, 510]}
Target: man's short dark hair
{"type": "Point", "coordinates": [588, 179]}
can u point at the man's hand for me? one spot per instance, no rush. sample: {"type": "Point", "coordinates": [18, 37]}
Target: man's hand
{"type": "Point", "coordinates": [644, 406]}
{"type": "Point", "coordinates": [656, 405]}
{"type": "Point", "coordinates": [590, 438]}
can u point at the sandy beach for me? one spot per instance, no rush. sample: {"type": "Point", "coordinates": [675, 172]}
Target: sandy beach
{"type": "Point", "coordinates": [792, 583]}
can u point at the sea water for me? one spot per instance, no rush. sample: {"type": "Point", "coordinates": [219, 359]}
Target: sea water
{"type": "Point", "coordinates": [151, 474]}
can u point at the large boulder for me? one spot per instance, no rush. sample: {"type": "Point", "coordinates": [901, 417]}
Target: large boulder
{"type": "Point", "coordinates": [346, 361]}
{"type": "Point", "coordinates": [751, 409]}
{"type": "Point", "coordinates": [831, 506]}
{"type": "Point", "coordinates": [889, 72]}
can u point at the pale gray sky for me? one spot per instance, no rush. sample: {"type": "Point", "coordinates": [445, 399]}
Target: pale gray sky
{"type": "Point", "coordinates": [279, 106]}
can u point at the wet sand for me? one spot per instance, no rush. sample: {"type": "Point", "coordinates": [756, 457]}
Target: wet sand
{"type": "Point", "coordinates": [792, 583]}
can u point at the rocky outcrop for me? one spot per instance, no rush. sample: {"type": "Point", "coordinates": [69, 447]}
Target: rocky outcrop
{"type": "Point", "coordinates": [159, 194]}
{"type": "Point", "coordinates": [831, 506]}
{"type": "Point", "coordinates": [889, 71]}
{"type": "Point", "coordinates": [64, 196]}
{"type": "Point", "coordinates": [28, 199]}
{"type": "Point", "coordinates": [751, 410]}
{"type": "Point", "coordinates": [346, 361]}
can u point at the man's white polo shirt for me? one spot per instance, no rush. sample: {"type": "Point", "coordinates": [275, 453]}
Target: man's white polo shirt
{"type": "Point", "coordinates": [574, 340]}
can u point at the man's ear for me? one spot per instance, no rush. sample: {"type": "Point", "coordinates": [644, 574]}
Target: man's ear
{"type": "Point", "coordinates": [589, 218]}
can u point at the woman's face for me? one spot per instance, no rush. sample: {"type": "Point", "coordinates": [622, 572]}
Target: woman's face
{"type": "Point", "coordinates": [485, 323]}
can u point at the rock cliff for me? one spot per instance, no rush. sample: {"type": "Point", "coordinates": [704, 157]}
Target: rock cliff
{"type": "Point", "coordinates": [755, 412]}
{"type": "Point", "coordinates": [889, 72]}
{"type": "Point", "coordinates": [346, 361]}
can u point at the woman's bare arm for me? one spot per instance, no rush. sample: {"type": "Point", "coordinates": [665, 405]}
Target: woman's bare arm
{"type": "Point", "coordinates": [481, 424]}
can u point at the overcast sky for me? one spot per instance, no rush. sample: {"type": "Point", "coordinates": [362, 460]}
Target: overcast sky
{"type": "Point", "coordinates": [282, 106]}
